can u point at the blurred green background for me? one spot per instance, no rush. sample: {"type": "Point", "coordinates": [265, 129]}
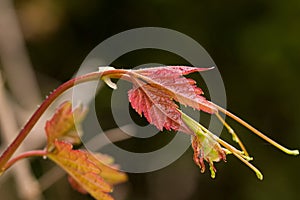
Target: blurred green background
{"type": "Point", "coordinates": [256, 46]}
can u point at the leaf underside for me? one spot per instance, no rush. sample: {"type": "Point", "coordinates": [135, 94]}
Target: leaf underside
{"type": "Point", "coordinates": [155, 91]}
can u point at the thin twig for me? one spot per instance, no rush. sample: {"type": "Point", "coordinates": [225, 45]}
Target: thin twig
{"type": "Point", "coordinates": [233, 134]}
{"type": "Point", "coordinates": [24, 155]}
{"type": "Point", "coordinates": [257, 132]}
{"type": "Point", "coordinates": [118, 73]}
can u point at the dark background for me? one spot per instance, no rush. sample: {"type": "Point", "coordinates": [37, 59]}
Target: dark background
{"type": "Point", "coordinates": [256, 47]}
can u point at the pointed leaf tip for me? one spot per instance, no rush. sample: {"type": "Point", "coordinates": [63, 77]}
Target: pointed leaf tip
{"type": "Point", "coordinates": [205, 146]}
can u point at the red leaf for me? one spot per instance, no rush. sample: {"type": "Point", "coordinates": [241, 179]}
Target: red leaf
{"type": "Point", "coordinates": [155, 89]}
{"type": "Point", "coordinates": [157, 107]}
{"type": "Point", "coordinates": [181, 89]}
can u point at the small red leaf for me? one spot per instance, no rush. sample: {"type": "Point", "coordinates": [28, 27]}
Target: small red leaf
{"type": "Point", "coordinates": [180, 70]}
{"type": "Point", "coordinates": [155, 90]}
{"type": "Point", "coordinates": [157, 107]}
{"type": "Point", "coordinates": [180, 89]}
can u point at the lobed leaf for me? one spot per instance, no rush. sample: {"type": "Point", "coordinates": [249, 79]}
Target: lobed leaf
{"type": "Point", "coordinates": [181, 89]}
{"type": "Point", "coordinates": [87, 173]}
{"type": "Point", "coordinates": [156, 106]}
{"type": "Point", "coordinates": [155, 91]}
{"type": "Point", "coordinates": [62, 124]}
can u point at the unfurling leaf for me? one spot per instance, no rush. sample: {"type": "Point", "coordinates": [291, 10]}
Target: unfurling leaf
{"type": "Point", "coordinates": [155, 90]}
{"type": "Point", "coordinates": [64, 126]}
{"type": "Point", "coordinates": [86, 171]}
{"type": "Point", "coordinates": [208, 150]}
{"type": "Point", "coordinates": [210, 144]}
{"type": "Point", "coordinates": [206, 147]}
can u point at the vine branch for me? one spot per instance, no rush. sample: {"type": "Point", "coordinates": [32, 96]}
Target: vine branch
{"type": "Point", "coordinates": [7, 154]}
